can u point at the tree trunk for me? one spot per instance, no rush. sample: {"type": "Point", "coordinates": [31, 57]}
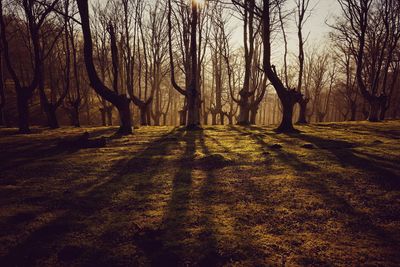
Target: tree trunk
{"type": "Point", "coordinates": [182, 117]}
{"type": "Point", "coordinates": [109, 115]}
{"type": "Point", "coordinates": [23, 112]}
{"type": "Point", "coordinates": [230, 120]}
{"type": "Point", "coordinates": [157, 118]}
{"type": "Point", "coordinates": [148, 114]}
{"type": "Point", "coordinates": [50, 111]}
{"type": "Point", "coordinates": [103, 116]}
{"type": "Point", "coordinates": [143, 115]}
{"type": "Point", "coordinates": [303, 111]}
{"type": "Point", "coordinates": [205, 118]}
{"type": "Point", "coordinates": [75, 117]}
{"type": "Point", "coordinates": [383, 107]}
{"type": "Point", "coordinates": [125, 115]}
{"type": "Point", "coordinates": [374, 107]}
{"type": "Point", "coordinates": [287, 115]}
{"type": "Point", "coordinates": [193, 109]}
{"type": "Point", "coordinates": [222, 118]}
{"type": "Point", "coordinates": [213, 118]}
{"type": "Point", "coordinates": [353, 111]}
{"type": "Point", "coordinates": [253, 115]}
{"type": "Point", "coordinates": [244, 113]}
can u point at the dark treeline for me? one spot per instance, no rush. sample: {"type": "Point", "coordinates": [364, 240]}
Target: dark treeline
{"type": "Point", "coordinates": [193, 63]}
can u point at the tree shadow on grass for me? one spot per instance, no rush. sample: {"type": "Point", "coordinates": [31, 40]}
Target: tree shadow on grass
{"type": "Point", "coordinates": [288, 158]}
{"type": "Point", "coordinates": [164, 245]}
{"type": "Point", "coordinates": [329, 190]}
{"type": "Point", "coordinates": [24, 154]}
{"type": "Point", "coordinates": [75, 209]}
{"type": "Point", "coordinates": [344, 154]}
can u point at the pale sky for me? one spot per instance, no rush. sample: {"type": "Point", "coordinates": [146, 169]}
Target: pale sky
{"type": "Point", "coordinates": [316, 27]}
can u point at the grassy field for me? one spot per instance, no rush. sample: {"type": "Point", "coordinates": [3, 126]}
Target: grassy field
{"type": "Point", "coordinates": [227, 195]}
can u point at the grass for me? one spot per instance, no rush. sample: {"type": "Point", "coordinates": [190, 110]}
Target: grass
{"type": "Point", "coordinates": [227, 195]}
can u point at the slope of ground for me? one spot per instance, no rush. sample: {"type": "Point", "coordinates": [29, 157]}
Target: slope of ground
{"type": "Point", "coordinates": [227, 195]}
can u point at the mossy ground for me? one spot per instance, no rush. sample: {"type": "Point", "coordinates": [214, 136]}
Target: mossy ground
{"type": "Point", "coordinates": [227, 195]}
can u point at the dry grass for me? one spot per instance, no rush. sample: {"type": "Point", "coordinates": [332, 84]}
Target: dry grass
{"type": "Point", "coordinates": [222, 196]}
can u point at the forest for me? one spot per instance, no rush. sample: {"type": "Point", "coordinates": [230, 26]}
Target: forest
{"type": "Point", "coordinates": [199, 133]}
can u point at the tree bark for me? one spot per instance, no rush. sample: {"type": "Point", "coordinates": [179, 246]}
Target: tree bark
{"type": "Point", "coordinates": [125, 115]}
{"type": "Point", "coordinates": [23, 111]}
{"type": "Point", "coordinates": [121, 102]}
{"type": "Point", "coordinates": [244, 112]}
{"type": "Point", "coordinates": [287, 116]}
{"type": "Point", "coordinates": [253, 115]}
{"type": "Point", "coordinates": [374, 107]}
{"type": "Point", "coordinates": [303, 111]}
{"type": "Point", "coordinates": [50, 111]}
{"type": "Point", "coordinates": [353, 111]}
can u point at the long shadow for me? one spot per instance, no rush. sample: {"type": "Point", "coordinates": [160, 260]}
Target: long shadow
{"type": "Point", "coordinates": [42, 242]}
{"type": "Point", "coordinates": [360, 222]}
{"type": "Point", "coordinates": [208, 192]}
{"type": "Point", "coordinates": [345, 155]}
{"type": "Point", "coordinates": [285, 157]}
{"type": "Point", "coordinates": [164, 245]}
{"type": "Point", "coordinates": [24, 154]}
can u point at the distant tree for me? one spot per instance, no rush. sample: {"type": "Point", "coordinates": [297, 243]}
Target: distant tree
{"type": "Point", "coordinates": [55, 45]}
{"type": "Point", "coordinates": [374, 31]}
{"type": "Point", "coordinates": [34, 15]}
{"type": "Point", "coordinates": [75, 98]}
{"type": "Point", "coordinates": [302, 9]}
{"type": "Point", "coordinates": [191, 58]}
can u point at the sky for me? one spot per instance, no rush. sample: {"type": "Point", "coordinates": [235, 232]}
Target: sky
{"type": "Point", "coordinates": [316, 27]}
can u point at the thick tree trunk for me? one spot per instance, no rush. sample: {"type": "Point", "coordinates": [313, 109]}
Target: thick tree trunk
{"type": "Point", "coordinates": [205, 118]}
{"type": "Point", "coordinates": [182, 117]}
{"type": "Point", "coordinates": [383, 107]}
{"type": "Point", "coordinates": [125, 115]}
{"type": "Point", "coordinates": [103, 116]}
{"type": "Point", "coordinates": [230, 120]}
{"type": "Point", "coordinates": [157, 118]}
{"type": "Point", "coordinates": [109, 115]}
{"type": "Point", "coordinates": [222, 118]}
{"type": "Point", "coordinates": [51, 115]}
{"type": "Point", "coordinates": [287, 116]}
{"type": "Point", "coordinates": [143, 115]}
{"type": "Point", "coordinates": [213, 118]}
{"type": "Point", "coordinates": [253, 115]}
{"type": "Point", "coordinates": [353, 111]}
{"type": "Point", "coordinates": [74, 115]}
{"type": "Point", "coordinates": [374, 107]}
{"type": "Point", "coordinates": [286, 125]}
{"type": "Point", "coordinates": [244, 113]}
{"type": "Point", "coordinates": [193, 110]}
{"type": "Point", "coordinates": [303, 111]}
{"type": "Point", "coordinates": [23, 112]}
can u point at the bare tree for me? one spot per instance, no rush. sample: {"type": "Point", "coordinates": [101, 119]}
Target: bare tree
{"type": "Point", "coordinates": [302, 7]}
{"type": "Point", "coordinates": [373, 43]}
{"type": "Point", "coordinates": [35, 16]}
{"type": "Point", "coordinates": [119, 100]}
{"type": "Point", "coordinates": [288, 97]}
{"type": "Point", "coordinates": [189, 34]}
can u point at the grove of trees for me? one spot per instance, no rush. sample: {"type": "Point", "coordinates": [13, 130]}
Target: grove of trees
{"type": "Point", "coordinates": [192, 63]}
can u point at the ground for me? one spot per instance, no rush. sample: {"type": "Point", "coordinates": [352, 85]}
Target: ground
{"type": "Point", "coordinates": [227, 195]}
